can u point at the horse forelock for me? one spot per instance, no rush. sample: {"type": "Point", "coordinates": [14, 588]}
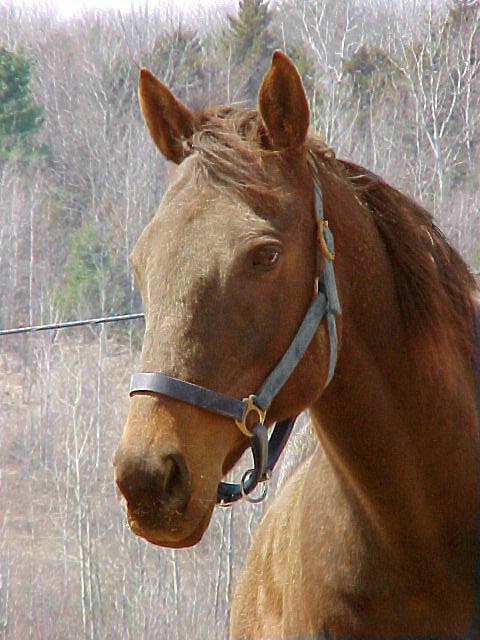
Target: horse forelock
{"type": "Point", "coordinates": [230, 149]}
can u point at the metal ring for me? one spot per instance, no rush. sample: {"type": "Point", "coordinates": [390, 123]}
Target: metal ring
{"type": "Point", "coordinates": [247, 496]}
{"type": "Point", "coordinates": [249, 407]}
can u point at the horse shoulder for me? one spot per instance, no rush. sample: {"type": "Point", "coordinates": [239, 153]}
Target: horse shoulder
{"type": "Point", "coordinates": [298, 565]}
{"type": "Point", "coordinates": [258, 604]}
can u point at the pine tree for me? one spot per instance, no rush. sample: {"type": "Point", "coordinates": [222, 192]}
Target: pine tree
{"type": "Point", "coordinates": [298, 52]}
{"type": "Point", "coordinates": [178, 57]}
{"type": "Point", "coordinates": [251, 43]}
{"type": "Point", "coordinates": [20, 117]}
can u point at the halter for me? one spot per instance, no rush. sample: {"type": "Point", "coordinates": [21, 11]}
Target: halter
{"type": "Point", "coordinates": [265, 452]}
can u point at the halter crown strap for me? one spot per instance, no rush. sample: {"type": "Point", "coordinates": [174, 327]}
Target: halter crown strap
{"type": "Point", "coordinates": [326, 304]}
{"type": "Point", "coordinates": [265, 453]}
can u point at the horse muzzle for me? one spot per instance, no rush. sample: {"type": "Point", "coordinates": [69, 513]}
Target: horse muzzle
{"type": "Point", "coordinates": [156, 486]}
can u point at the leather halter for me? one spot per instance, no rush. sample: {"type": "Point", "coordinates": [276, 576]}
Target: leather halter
{"type": "Point", "coordinates": [265, 452]}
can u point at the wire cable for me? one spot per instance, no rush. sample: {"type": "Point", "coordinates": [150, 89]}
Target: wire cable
{"type": "Point", "coordinates": [70, 324]}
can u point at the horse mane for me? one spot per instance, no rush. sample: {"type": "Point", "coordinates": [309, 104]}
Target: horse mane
{"type": "Point", "coordinates": [434, 284]}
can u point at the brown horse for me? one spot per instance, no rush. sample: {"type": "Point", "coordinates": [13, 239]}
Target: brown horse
{"type": "Point", "coordinates": [376, 534]}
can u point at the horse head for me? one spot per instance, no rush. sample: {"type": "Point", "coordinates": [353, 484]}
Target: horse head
{"type": "Point", "coordinates": [226, 269]}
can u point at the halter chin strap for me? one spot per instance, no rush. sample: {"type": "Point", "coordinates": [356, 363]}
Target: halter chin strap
{"type": "Point", "coordinates": [265, 452]}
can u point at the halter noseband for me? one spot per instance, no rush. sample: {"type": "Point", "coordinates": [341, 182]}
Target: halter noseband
{"type": "Point", "coordinates": [265, 452]}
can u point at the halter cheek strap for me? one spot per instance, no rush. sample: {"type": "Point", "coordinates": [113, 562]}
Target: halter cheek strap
{"type": "Point", "coordinates": [265, 452]}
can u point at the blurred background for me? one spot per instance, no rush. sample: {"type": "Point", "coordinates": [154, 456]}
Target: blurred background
{"type": "Point", "coordinates": [393, 85]}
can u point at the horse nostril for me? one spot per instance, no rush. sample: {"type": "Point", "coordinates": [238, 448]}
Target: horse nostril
{"type": "Point", "coordinates": [149, 483]}
{"type": "Point", "coordinates": [176, 482]}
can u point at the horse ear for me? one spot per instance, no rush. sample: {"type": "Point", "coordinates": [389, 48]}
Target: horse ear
{"type": "Point", "coordinates": [169, 121]}
{"type": "Point", "coordinates": [283, 104]}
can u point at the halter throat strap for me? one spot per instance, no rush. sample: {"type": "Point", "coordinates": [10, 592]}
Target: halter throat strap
{"type": "Point", "coordinates": [325, 305]}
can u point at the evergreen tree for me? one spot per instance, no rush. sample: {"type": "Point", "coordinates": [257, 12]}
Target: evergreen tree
{"type": "Point", "coordinates": [305, 64]}
{"type": "Point", "coordinates": [252, 43]}
{"type": "Point", "coordinates": [20, 117]}
{"type": "Point", "coordinates": [178, 57]}
{"type": "Point", "coordinates": [94, 283]}
{"type": "Point", "coordinates": [370, 70]}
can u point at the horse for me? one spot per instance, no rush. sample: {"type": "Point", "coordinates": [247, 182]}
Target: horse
{"type": "Point", "coordinates": [376, 534]}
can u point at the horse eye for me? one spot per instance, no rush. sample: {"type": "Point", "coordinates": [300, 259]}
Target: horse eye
{"type": "Point", "coordinates": [266, 258]}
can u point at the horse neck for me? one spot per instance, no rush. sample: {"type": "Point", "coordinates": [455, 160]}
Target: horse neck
{"type": "Point", "coordinates": [398, 421]}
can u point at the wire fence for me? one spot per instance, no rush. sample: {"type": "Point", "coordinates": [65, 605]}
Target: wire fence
{"type": "Point", "coordinates": [68, 325]}
{"type": "Point", "coordinates": [90, 321]}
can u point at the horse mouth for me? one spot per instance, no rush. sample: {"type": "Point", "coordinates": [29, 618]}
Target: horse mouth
{"type": "Point", "coordinates": [175, 531]}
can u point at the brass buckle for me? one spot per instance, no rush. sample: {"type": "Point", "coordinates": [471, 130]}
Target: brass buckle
{"type": "Point", "coordinates": [322, 225]}
{"type": "Point", "coordinates": [251, 406]}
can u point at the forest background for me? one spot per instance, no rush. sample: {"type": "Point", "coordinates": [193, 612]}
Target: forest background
{"type": "Point", "coordinates": [394, 86]}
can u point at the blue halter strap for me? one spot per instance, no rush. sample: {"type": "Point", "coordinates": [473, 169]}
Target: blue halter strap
{"type": "Point", "coordinates": [265, 452]}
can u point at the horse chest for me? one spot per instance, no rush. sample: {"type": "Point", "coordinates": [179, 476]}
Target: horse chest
{"type": "Point", "coordinates": [330, 572]}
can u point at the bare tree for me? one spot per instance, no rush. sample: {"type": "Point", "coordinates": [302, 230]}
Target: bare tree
{"type": "Point", "coordinates": [394, 86]}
